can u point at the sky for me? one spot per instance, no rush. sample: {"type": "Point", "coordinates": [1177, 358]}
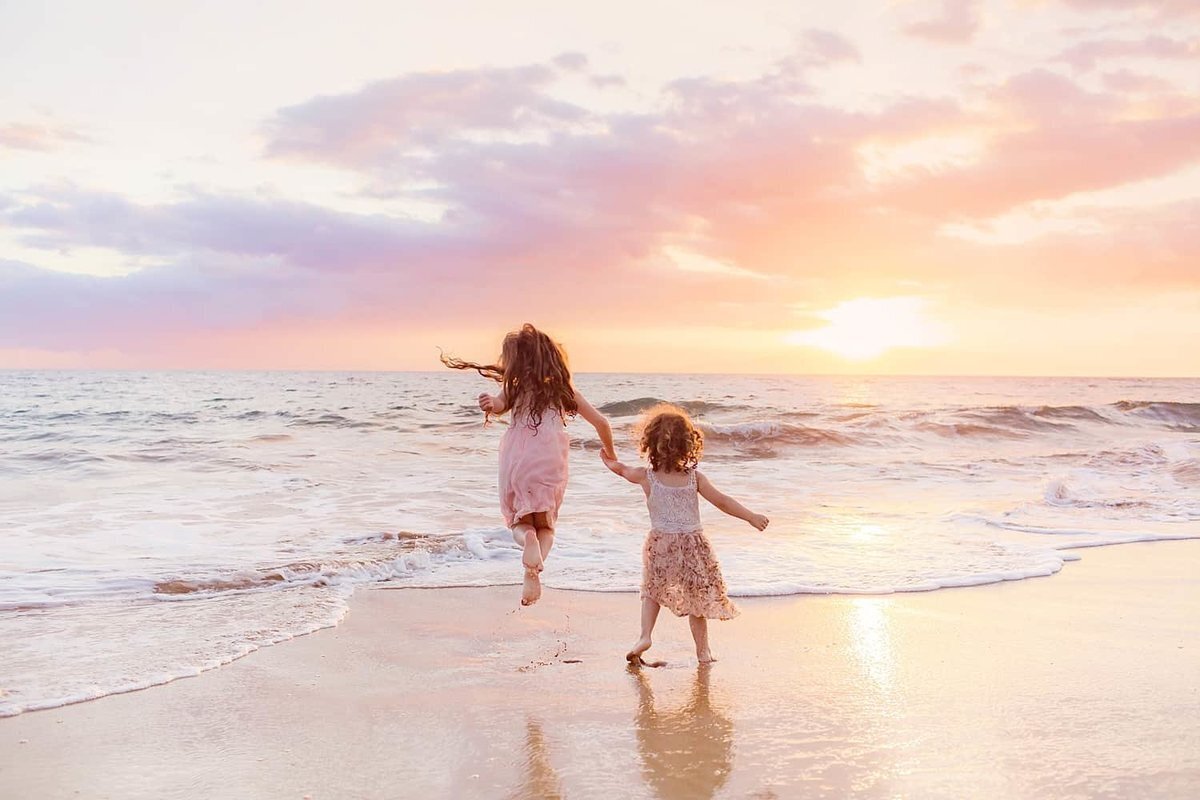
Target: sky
{"type": "Point", "coordinates": [953, 187]}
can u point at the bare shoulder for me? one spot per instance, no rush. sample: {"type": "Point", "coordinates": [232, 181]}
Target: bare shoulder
{"type": "Point", "coordinates": [704, 486]}
{"type": "Point", "coordinates": [640, 476]}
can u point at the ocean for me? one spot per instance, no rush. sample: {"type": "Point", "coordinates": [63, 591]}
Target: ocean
{"type": "Point", "coordinates": [160, 524]}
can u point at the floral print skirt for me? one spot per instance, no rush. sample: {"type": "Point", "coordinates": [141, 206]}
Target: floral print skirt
{"type": "Point", "coordinates": [680, 572]}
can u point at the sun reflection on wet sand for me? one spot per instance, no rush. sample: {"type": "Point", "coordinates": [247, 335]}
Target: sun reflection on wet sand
{"type": "Point", "coordinates": [871, 641]}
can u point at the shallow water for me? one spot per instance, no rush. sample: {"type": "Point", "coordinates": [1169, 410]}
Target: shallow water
{"type": "Point", "coordinates": [163, 523]}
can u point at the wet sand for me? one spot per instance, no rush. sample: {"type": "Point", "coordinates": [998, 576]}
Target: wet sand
{"type": "Point", "coordinates": [1085, 684]}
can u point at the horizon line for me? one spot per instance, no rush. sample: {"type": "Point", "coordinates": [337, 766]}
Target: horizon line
{"type": "Point", "coordinates": [327, 371]}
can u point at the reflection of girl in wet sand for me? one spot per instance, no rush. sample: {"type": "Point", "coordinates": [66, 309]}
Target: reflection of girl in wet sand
{"type": "Point", "coordinates": [687, 752]}
{"type": "Point", "coordinates": [539, 779]}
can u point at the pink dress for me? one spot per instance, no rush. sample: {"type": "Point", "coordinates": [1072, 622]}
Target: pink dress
{"type": "Point", "coordinates": [533, 466]}
{"type": "Point", "coordinates": [679, 569]}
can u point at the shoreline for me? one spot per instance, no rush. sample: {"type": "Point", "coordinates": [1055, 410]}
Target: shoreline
{"type": "Point", "coordinates": [1014, 688]}
{"type": "Point", "coordinates": [951, 584]}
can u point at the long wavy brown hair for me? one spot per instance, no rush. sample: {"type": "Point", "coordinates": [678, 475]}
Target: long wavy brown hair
{"type": "Point", "coordinates": [533, 371]}
{"type": "Point", "coordinates": [669, 439]}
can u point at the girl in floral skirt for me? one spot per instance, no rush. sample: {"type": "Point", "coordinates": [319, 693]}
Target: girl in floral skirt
{"type": "Point", "coordinates": [679, 569]}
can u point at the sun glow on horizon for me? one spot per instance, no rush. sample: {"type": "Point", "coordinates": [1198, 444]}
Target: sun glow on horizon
{"type": "Point", "coordinates": [867, 327]}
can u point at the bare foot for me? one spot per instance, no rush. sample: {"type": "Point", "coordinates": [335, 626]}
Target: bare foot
{"type": "Point", "coordinates": [642, 645]}
{"type": "Point", "coordinates": [531, 556]}
{"type": "Point", "coordinates": [706, 657]}
{"type": "Point", "coordinates": [531, 588]}
{"type": "Point", "coordinates": [634, 656]}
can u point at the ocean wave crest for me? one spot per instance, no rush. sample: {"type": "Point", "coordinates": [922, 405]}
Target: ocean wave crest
{"type": "Point", "coordinates": [1179, 416]}
{"type": "Point", "coordinates": [761, 433]}
{"type": "Point", "coordinates": [635, 406]}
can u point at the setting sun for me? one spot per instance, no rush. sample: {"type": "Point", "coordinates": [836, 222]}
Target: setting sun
{"type": "Point", "coordinates": [867, 327]}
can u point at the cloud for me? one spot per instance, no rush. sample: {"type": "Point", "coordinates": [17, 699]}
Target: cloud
{"type": "Point", "coordinates": [817, 47]}
{"type": "Point", "coordinates": [422, 110]}
{"type": "Point", "coordinates": [957, 23]}
{"type": "Point", "coordinates": [571, 62]}
{"type": "Point", "coordinates": [1086, 55]}
{"type": "Point", "coordinates": [1124, 81]}
{"type": "Point", "coordinates": [726, 198]}
{"type": "Point", "coordinates": [1051, 139]}
{"type": "Point", "coordinates": [1156, 8]}
{"type": "Point", "coordinates": [49, 310]}
{"type": "Point", "coordinates": [37, 136]}
{"type": "Point", "coordinates": [303, 235]}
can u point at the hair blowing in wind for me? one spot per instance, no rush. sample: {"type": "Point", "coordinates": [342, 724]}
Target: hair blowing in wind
{"type": "Point", "coordinates": [533, 371]}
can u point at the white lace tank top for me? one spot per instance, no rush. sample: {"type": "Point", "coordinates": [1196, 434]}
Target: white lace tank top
{"type": "Point", "coordinates": [673, 509]}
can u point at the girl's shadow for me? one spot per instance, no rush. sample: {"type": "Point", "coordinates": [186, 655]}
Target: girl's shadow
{"type": "Point", "coordinates": [686, 751]}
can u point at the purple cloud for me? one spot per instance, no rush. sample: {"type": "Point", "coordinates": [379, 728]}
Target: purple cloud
{"type": "Point", "coordinates": [816, 47]}
{"type": "Point", "coordinates": [421, 110]}
{"type": "Point", "coordinates": [304, 235]}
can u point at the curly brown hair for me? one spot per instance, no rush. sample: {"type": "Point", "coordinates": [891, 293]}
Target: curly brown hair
{"type": "Point", "coordinates": [533, 371]}
{"type": "Point", "coordinates": [669, 439]}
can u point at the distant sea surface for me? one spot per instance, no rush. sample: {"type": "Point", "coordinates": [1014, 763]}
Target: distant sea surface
{"type": "Point", "coordinates": [160, 524]}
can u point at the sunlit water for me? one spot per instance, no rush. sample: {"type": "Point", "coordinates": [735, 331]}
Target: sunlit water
{"type": "Point", "coordinates": [164, 523]}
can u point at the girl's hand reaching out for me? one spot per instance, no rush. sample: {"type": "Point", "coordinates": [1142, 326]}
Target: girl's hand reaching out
{"type": "Point", "coordinates": [759, 521]}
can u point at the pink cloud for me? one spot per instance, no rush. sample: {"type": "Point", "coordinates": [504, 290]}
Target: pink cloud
{"type": "Point", "coordinates": [1162, 8]}
{"type": "Point", "coordinates": [1128, 82]}
{"type": "Point", "coordinates": [37, 136]}
{"type": "Point", "coordinates": [1068, 140]}
{"type": "Point", "coordinates": [1086, 55]}
{"type": "Point", "coordinates": [957, 23]}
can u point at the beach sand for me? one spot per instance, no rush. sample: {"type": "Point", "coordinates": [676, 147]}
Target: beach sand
{"type": "Point", "coordinates": [1084, 684]}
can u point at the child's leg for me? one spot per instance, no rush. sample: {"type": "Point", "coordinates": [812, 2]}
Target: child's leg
{"type": "Point", "coordinates": [699, 627]}
{"type": "Point", "coordinates": [545, 533]}
{"type": "Point", "coordinates": [525, 534]}
{"type": "Point", "coordinates": [545, 538]}
{"type": "Point", "coordinates": [649, 616]}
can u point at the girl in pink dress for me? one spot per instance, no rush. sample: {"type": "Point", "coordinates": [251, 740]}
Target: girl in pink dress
{"type": "Point", "coordinates": [535, 385]}
{"type": "Point", "coordinates": [679, 569]}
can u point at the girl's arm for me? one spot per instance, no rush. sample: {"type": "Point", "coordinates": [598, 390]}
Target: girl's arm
{"type": "Point", "coordinates": [727, 504]}
{"type": "Point", "coordinates": [599, 422]}
{"type": "Point", "coordinates": [493, 403]}
{"type": "Point", "coordinates": [632, 474]}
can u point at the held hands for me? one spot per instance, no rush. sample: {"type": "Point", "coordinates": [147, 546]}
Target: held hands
{"type": "Point", "coordinates": [610, 460]}
{"type": "Point", "coordinates": [759, 521]}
